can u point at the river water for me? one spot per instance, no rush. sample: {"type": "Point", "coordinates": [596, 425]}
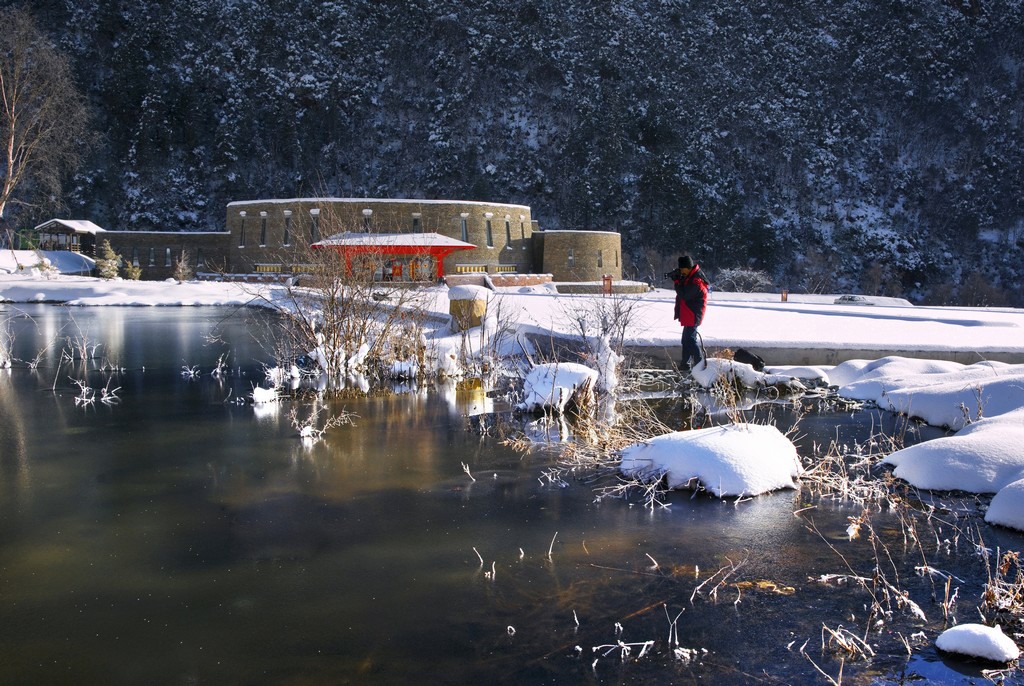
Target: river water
{"type": "Point", "coordinates": [178, 536]}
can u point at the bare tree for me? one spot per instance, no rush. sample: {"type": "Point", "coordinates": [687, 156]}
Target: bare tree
{"type": "Point", "coordinates": [44, 119]}
{"type": "Point", "coordinates": [337, 311]}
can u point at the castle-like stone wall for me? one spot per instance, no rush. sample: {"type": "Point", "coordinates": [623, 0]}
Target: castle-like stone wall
{"type": "Point", "coordinates": [579, 255]}
{"type": "Point", "coordinates": [271, 238]}
{"type": "Point", "coordinates": [501, 232]}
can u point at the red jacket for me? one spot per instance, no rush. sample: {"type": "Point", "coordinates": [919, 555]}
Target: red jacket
{"type": "Point", "coordinates": [691, 297]}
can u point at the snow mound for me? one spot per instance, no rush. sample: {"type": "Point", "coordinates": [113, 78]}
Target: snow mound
{"type": "Point", "coordinates": [941, 393]}
{"type": "Point", "coordinates": [1007, 507]}
{"type": "Point", "coordinates": [717, 368]}
{"type": "Point", "coordinates": [815, 375]}
{"type": "Point", "coordinates": [978, 640]}
{"type": "Point", "coordinates": [469, 292]}
{"type": "Point", "coordinates": [738, 459]}
{"type": "Point", "coordinates": [982, 458]}
{"type": "Point", "coordinates": [552, 386]}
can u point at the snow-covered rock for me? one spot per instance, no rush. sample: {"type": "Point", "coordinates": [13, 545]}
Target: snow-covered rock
{"type": "Point", "coordinates": [1007, 507]}
{"type": "Point", "coordinates": [982, 458]}
{"type": "Point", "coordinates": [978, 640]}
{"type": "Point", "coordinates": [717, 368]}
{"type": "Point", "coordinates": [941, 393]}
{"type": "Point", "coordinates": [738, 459]}
{"type": "Point", "coordinates": [552, 386]}
{"type": "Point", "coordinates": [985, 457]}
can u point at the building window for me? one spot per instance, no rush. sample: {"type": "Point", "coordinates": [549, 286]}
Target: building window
{"type": "Point", "coordinates": [417, 223]}
{"type": "Point", "coordinates": [167, 257]}
{"type": "Point", "coordinates": [287, 228]}
{"type": "Point", "coordinates": [263, 229]}
{"type": "Point", "coordinates": [600, 258]}
{"type": "Point", "coordinates": [200, 260]}
{"type": "Point", "coordinates": [508, 233]}
{"type": "Point", "coordinates": [616, 258]}
{"type": "Point", "coordinates": [490, 236]}
{"type": "Point", "coordinates": [241, 231]}
{"type": "Point", "coordinates": [572, 259]}
{"type": "Point", "coordinates": [152, 257]}
{"type": "Point", "coordinates": [314, 230]}
{"type": "Point", "coordinates": [465, 228]}
{"type": "Point", "coordinates": [367, 214]}
{"type": "Point", "coordinates": [135, 257]}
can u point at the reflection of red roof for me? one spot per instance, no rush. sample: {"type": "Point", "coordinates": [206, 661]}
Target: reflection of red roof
{"type": "Point", "coordinates": [393, 240]}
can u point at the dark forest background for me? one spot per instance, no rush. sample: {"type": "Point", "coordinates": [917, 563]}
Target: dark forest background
{"type": "Point", "coordinates": [855, 146]}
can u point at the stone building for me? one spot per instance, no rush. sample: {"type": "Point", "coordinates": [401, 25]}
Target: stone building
{"type": "Point", "coordinates": [272, 238]}
{"type": "Point", "coordinates": [578, 255]}
{"type": "Point", "coordinates": [269, 234]}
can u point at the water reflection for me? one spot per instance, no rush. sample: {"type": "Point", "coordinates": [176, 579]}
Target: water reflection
{"type": "Point", "coordinates": [183, 537]}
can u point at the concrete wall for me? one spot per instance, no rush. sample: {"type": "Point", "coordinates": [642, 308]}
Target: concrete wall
{"type": "Point", "coordinates": [156, 252]}
{"type": "Point", "coordinates": [504, 247]}
{"type": "Point", "coordinates": [579, 255]}
{"type": "Point", "coordinates": [498, 280]}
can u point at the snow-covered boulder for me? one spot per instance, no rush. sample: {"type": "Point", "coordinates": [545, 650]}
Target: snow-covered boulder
{"type": "Point", "coordinates": [552, 386]}
{"type": "Point", "coordinates": [978, 640]}
{"type": "Point", "coordinates": [982, 458]}
{"type": "Point", "coordinates": [814, 376]}
{"type": "Point", "coordinates": [941, 393]}
{"type": "Point", "coordinates": [1007, 507]}
{"type": "Point", "coordinates": [736, 459]}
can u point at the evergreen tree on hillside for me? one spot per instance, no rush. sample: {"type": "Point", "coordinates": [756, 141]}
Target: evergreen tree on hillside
{"type": "Point", "coordinates": [840, 130]}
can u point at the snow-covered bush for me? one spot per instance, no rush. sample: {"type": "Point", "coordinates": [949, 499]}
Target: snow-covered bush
{"type": "Point", "coordinates": [554, 386]}
{"type": "Point", "coordinates": [108, 263]}
{"type": "Point", "coordinates": [741, 280]}
{"type": "Point", "coordinates": [183, 270]}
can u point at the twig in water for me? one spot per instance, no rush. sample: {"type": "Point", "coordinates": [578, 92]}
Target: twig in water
{"type": "Point", "coordinates": [552, 546]}
{"type": "Point", "coordinates": [479, 556]}
{"type": "Point", "coordinates": [465, 468]}
{"type": "Point", "coordinates": [673, 626]}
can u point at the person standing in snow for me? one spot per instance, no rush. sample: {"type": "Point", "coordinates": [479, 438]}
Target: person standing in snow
{"type": "Point", "coordinates": [691, 301]}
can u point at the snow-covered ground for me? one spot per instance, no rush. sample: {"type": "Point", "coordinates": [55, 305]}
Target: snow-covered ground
{"type": "Point", "coordinates": [983, 402]}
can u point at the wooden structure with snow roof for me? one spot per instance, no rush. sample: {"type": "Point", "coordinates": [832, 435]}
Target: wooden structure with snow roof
{"type": "Point", "coordinates": [75, 235]}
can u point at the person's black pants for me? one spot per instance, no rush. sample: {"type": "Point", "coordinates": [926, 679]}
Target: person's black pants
{"type": "Point", "coordinates": [691, 350]}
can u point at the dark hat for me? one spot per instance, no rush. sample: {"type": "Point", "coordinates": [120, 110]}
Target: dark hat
{"type": "Point", "coordinates": [685, 262]}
